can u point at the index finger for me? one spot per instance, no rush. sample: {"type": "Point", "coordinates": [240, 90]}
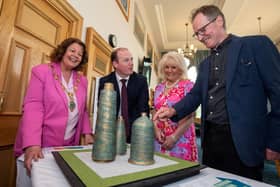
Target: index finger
{"type": "Point", "coordinates": [155, 117]}
{"type": "Point", "coordinates": [28, 163]}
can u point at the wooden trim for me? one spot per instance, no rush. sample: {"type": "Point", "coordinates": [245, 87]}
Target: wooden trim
{"type": "Point", "coordinates": [92, 37]}
{"type": "Point", "coordinates": [1, 5]}
{"type": "Point", "coordinates": [74, 19]}
{"type": "Point", "coordinates": [197, 121]}
{"type": "Point", "coordinates": [41, 14]}
{"type": "Point", "coordinates": [124, 10]}
{"type": "Point", "coordinates": [8, 129]}
{"type": "Point", "coordinates": [71, 14]}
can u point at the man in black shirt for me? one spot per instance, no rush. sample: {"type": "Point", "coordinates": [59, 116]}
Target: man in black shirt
{"type": "Point", "coordinates": [233, 86]}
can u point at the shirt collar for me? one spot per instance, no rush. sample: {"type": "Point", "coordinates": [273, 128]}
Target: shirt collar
{"type": "Point", "coordinates": [119, 77]}
{"type": "Point", "coordinates": [222, 45]}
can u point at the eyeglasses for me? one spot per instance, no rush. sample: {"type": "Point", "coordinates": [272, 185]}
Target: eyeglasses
{"type": "Point", "coordinates": [201, 31]}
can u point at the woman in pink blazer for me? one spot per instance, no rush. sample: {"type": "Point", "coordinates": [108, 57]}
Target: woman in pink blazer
{"type": "Point", "coordinates": [54, 108]}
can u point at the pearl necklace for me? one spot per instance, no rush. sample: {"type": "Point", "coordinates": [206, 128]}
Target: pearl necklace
{"type": "Point", "coordinates": [172, 85]}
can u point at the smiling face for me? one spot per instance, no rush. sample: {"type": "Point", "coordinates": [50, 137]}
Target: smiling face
{"type": "Point", "coordinates": [72, 56]}
{"type": "Point", "coordinates": [171, 71]}
{"type": "Point", "coordinates": [123, 64]}
{"type": "Point", "coordinates": [209, 32]}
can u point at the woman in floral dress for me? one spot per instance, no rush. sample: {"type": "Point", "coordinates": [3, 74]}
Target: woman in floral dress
{"type": "Point", "coordinates": [175, 139]}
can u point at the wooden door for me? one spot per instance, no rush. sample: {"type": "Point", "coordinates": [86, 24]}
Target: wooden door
{"type": "Point", "coordinates": [98, 64]}
{"type": "Point", "coordinates": [29, 30]}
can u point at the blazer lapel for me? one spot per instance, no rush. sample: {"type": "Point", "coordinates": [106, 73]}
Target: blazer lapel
{"type": "Point", "coordinates": [79, 90]}
{"type": "Point", "coordinates": [232, 60]}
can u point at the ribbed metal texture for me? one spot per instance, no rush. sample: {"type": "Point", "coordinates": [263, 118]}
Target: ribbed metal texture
{"type": "Point", "coordinates": [142, 141]}
{"type": "Point", "coordinates": [121, 137]}
{"type": "Point", "coordinates": [104, 147]}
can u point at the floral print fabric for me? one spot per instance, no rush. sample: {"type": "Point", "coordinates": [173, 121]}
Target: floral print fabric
{"type": "Point", "coordinates": [185, 148]}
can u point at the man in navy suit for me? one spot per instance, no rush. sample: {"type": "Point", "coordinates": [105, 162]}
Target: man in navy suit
{"type": "Point", "coordinates": [233, 86]}
{"type": "Point", "coordinates": [136, 86]}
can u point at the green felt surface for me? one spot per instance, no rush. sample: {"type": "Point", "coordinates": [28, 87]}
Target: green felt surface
{"type": "Point", "coordinates": [90, 178]}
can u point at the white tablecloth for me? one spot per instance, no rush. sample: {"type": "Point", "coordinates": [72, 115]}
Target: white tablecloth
{"type": "Point", "coordinates": [46, 173]}
{"type": "Point", "coordinates": [208, 178]}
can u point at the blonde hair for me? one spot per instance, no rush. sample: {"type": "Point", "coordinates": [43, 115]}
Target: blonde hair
{"type": "Point", "coordinates": [175, 59]}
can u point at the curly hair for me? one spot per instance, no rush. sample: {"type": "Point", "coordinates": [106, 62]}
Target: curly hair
{"type": "Point", "coordinates": [58, 53]}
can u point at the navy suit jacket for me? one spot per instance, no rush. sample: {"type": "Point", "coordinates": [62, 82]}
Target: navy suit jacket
{"type": "Point", "coordinates": [137, 93]}
{"type": "Point", "coordinates": [252, 78]}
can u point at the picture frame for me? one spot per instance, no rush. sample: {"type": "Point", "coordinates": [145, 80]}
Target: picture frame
{"type": "Point", "coordinates": [124, 5]}
{"type": "Point", "coordinates": [101, 63]}
{"type": "Point", "coordinates": [99, 52]}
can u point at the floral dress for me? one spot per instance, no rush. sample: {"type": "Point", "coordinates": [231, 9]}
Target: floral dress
{"type": "Point", "coordinates": [185, 148]}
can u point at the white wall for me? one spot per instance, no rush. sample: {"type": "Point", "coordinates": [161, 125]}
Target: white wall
{"type": "Point", "coordinates": [106, 18]}
{"type": "Point", "coordinates": [141, 8]}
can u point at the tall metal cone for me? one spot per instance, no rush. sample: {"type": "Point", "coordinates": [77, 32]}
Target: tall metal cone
{"type": "Point", "coordinates": [104, 146]}
{"type": "Point", "coordinates": [121, 137]}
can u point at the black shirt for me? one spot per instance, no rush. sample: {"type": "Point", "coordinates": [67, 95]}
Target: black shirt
{"type": "Point", "coordinates": [216, 107]}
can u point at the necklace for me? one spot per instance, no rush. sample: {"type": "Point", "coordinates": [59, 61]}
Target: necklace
{"type": "Point", "coordinates": [172, 85]}
{"type": "Point", "coordinates": [72, 104]}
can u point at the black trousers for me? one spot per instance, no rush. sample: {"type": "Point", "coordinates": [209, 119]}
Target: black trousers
{"type": "Point", "coordinates": [219, 152]}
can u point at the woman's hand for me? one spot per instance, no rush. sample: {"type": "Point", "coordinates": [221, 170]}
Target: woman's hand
{"type": "Point", "coordinates": [159, 134]}
{"type": "Point", "coordinates": [169, 142]}
{"type": "Point", "coordinates": [164, 113]}
{"type": "Point", "coordinates": [160, 137]}
{"type": "Point", "coordinates": [88, 139]}
{"type": "Point", "coordinates": [32, 153]}
{"type": "Point", "coordinates": [272, 155]}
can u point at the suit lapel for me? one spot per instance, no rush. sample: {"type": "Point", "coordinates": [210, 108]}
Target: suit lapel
{"type": "Point", "coordinates": [117, 89]}
{"type": "Point", "coordinates": [130, 84]}
{"type": "Point", "coordinates": [205, 83]}
{"type": "Point", "coordinates": [232, 60]}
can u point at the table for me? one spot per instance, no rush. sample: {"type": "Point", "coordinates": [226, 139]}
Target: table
{"type": "Point", "coordinates": [46, 173]}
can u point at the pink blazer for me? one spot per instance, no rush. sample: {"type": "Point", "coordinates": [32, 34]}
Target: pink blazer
{"type": "Point", "coordinates": [45, 109]}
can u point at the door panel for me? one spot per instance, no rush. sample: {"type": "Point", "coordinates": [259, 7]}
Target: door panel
{"type": "Point", "coordinates": [29, 30]}
{"type": "Point", "coordinates": [17, 71]}
{"type": "Point", "coordinates": [98, 64]}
